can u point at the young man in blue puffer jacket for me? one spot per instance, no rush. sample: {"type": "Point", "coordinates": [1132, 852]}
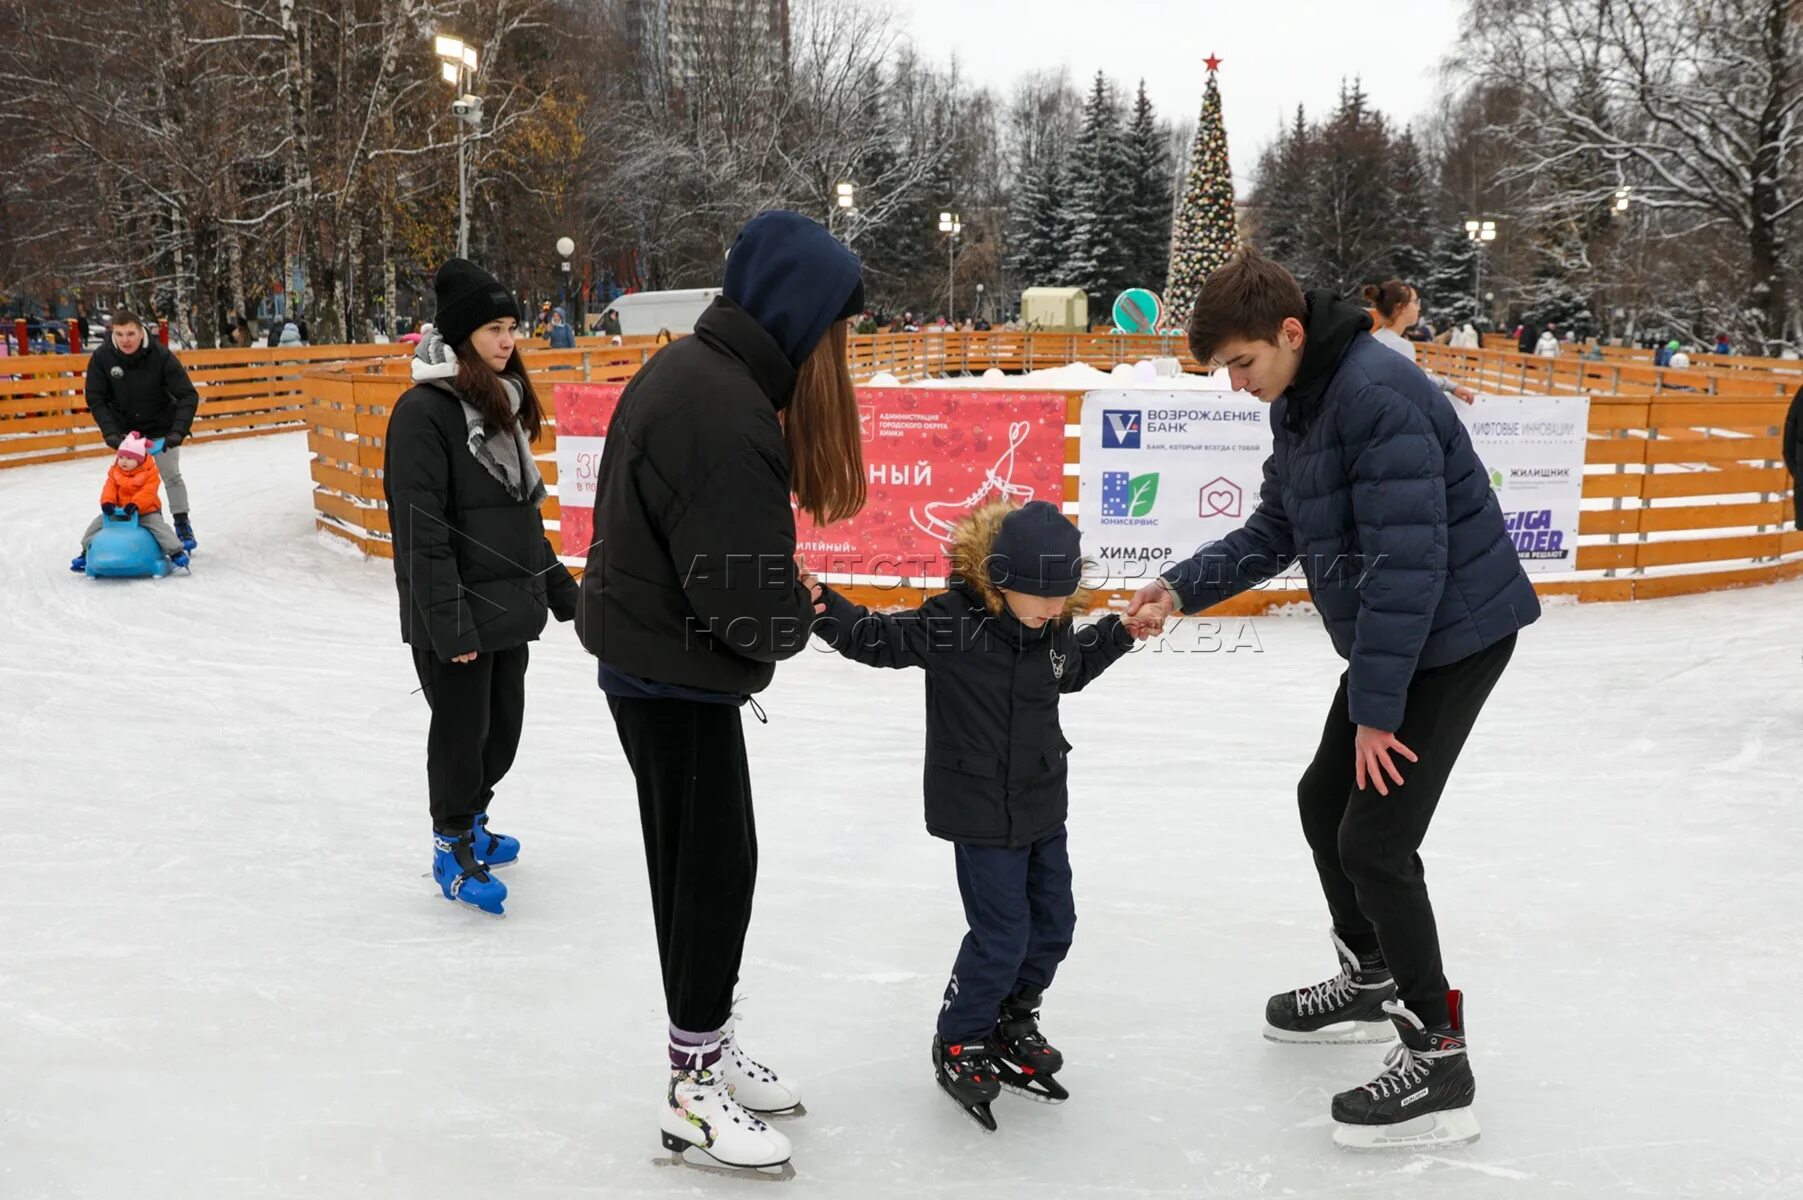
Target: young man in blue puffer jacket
{"type": "Point", "coordinates": [1373, 485]}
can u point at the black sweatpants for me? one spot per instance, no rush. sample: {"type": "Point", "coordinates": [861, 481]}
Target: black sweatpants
{"type": "Point", "coordinates": [701, 846]}
{"type": "Point", "coordinates": [1365, 844]}
{"type": "Point", "coordinates": [478, 708]}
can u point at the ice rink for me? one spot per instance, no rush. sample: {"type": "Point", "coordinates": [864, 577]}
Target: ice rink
{"type": "Point", "coordinates": [226, 974]}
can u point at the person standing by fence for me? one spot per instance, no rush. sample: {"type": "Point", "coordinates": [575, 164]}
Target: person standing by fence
{"type": "Point", "coordinates": [1398, 307]}
{"type": "Point", "coordinates": [135, 382]}
{"type": "Point", "coordinates": [692, 596]}
{"type": "Point", "coordinates": [475, 571]}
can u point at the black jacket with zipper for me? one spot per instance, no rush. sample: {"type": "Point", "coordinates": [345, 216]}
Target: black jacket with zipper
{"type": "Point", "coordinates": [148, 391]}
{"type": "Point", "coordinates": [1793, 452]}
{"type": "Point", "coordinates": [692, 580]}
{"type": "Point", "coordinates": [996, 768]}
{"type": "Point", "coordinates": [472, 564]}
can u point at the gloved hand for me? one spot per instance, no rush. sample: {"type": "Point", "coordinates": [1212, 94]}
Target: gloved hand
{"type": "Point", "coordinates": [131, 510]}
{"type": "Point", "coordinates": [107, 508]}
{"type": "Point", "coordinates": [173, 438]}
{"type": "Point", "coordinates": [113, 440]}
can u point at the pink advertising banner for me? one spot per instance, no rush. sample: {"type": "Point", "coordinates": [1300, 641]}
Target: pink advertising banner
{"type": "Point", "coordinates": [931, 455]}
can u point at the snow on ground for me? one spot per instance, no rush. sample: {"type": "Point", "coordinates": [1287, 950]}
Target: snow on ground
{"type": "Point", "coordinates": [226, 973]}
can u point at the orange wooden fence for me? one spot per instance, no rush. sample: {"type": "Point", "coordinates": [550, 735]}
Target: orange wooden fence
{"type": "Point", "coordinates": [1684, 491]}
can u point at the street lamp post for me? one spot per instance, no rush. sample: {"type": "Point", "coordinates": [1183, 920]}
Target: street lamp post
{"type": "Point", "coordinates": [565, 248]}
{"type": "Point", "coordinates": [951, 226]}
{"type": "Point", "coordinates": [979, 313]}
{"type": "Point", "coordinates": [845, 201]}
{"type": "Point", "coordinates": [457, 67]}
{"type": "Point", "coordinates": [1481, 233]}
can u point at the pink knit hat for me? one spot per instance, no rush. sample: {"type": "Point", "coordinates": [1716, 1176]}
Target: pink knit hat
{"type": "Point", "coordinates": [135, 445]}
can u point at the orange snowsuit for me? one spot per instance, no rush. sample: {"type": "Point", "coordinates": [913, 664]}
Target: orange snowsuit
{"type": "Point", "coordinates": [139, 487]}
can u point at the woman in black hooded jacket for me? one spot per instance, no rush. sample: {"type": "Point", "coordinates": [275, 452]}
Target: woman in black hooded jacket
{"type": "Point", "coordinates": [692, 596]}
{"type": "Point", "coordinates": [475, 571]}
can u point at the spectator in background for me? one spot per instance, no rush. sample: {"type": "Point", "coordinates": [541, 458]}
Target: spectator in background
{"type": "Point", "coordinates": [1793, 452]}
{"type": "Point", "coordinates": [1398, 306]}
{"type": "Point", "coordinates": [1548, 344]}
{"type": "Point", "coordinates": [1722, 345]}
{"type": "Point", "coordinates": [1526, 335]}
{"type": "Point", "coordinates": [610, 323]}
{"type": "Point", "coordinates": [1679, 361]}
{"type": "Point", "coordinates": [561, 335]}
{"type": "Point", "coordinates": [1594, 352]}
{"type": "Point", "coordinates": [1662, 357]}
{"type": "Point", "coordinates": [1467, 338]}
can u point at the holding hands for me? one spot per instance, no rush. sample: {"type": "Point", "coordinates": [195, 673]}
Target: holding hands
{"type": "Point", "coordinates": [1147, 611]}
{"type": "Point", "coordinates": [810, 582]}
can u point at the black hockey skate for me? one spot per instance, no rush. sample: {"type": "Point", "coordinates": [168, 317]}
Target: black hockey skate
{"type": "Point", "coordinates": [1423, 1097]}
{"type": "Point", "coordinates": [967, 1073]}
{"type": "Point", "coordinates": [1347, 1009]}
{"type": "Point", "coordinates": [1026, 1060]}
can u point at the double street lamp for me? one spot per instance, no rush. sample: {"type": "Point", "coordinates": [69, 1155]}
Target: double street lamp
{"type": "Point", "coordinates": [457, 67]}
{"type": "Point", "coordinates": [1481, 233]}
{"type": "Point", "coordinates": [951, 227]}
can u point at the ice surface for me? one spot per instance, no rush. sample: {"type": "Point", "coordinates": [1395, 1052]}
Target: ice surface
{"type": "Point", "coordinates": [225, 973]}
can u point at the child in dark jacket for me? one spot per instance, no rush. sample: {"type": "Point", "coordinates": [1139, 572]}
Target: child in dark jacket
{"type": "Point", "coordinates": [999, 649]}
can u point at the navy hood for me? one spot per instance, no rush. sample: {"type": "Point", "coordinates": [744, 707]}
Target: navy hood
{"type": "Point", "coordinates": [794, 279]}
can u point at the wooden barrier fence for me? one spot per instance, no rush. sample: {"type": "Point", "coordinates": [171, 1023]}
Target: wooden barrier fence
{"type": "Point", "coordinates": [1684, 492]}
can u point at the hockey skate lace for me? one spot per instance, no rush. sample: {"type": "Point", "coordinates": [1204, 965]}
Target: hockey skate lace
{"type": "Point", "coordinates": [1325, 996]}
{"type": "Point", "coordinates": [1404, 1070]}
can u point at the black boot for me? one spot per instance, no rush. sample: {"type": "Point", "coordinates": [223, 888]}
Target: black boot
{"type": "Point", "coordinates": [1347, 1008]}
{"type": "Point", "coordinates": [967, 1073]}
{"type": "Point", "coordinates": [184, 529]}
{"type": "Point", "coordinates": [1423, 1097]}
{"type": "Point", "coordinates": [1026, 1059]}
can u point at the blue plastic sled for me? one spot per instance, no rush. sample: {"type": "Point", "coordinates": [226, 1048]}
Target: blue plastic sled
{"type": "Point", "coordinates": [124, 549]}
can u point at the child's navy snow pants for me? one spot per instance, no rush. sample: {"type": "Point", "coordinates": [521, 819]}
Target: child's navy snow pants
{"type": "Point", "coordinates": [1017, 901]}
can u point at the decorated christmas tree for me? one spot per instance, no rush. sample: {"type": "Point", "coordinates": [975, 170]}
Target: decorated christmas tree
{"type": "Point", "coordinates": [1203, 235]}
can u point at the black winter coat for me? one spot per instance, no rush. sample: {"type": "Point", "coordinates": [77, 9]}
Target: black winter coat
{"type": "Point", "coordinates": [148, 392]}
{"type": "Point", "coordinates": [472, 564]}
{"type": "Point", "coordinates": [692, 578]}
{"type": "Point", "coordinates": [996, 755]}
{"type": "Point", "coordinates": [1793, 452]}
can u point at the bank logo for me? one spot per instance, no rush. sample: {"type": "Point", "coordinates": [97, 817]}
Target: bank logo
{"type": "Point", "coordinates": [1221, 498]}
{"type": "Point", "coordinates": [1127, 495]}
{"type": "Point", "coordinates": [1120, 428]}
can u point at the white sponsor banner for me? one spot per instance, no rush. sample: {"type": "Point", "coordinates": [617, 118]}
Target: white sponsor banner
{"type": "Point", "coordinates": [1533, 448]}
{"type": "Point", "coordinates": [1164, 472]}
{"type": "Point", "coordinates": [578, 463]}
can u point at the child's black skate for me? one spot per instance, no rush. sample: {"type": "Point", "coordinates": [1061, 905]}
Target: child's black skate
{"type": "Point", "coordinates": [967, 1073]}
{"type": "Point", "coordinates": [1026, 1060]}
{"type": "Point", "coordinates": [1349, 1008]}
{"type": "Point", "coordinates": [1423, 1097]}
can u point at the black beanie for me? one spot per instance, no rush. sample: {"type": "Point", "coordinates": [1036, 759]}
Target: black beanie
{"type": "Point", "coordinates": [1037, 551]}
{"type": "Point", "coordinates": [468, 298]}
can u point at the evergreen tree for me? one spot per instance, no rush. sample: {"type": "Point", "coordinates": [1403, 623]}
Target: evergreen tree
{"type": "Point", "coordinates": [1449, 286]}
{"type": "Point", "coordinates": [1281, 194]}
{"type": "Point", "coordinates": [1149, 211]}
{"type": "Point", "coordinates": [1096, 245]}
{"type": "Point", "coordinates": [1412, 211]}
{"type": "Point", "coordinates": [1205, 233]}
{"type": "Point", "coordinates": [1353, 223]}
{"type": "Point", "coordinates": [1037, 219]}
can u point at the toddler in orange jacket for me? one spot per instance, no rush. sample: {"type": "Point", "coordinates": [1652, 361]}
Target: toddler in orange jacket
{"type": "Point", "coordinates": [133, 485]}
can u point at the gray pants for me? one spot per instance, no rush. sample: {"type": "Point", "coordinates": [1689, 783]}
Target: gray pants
{"type": "Point", "coordinates": [169, 462]}
{"type": "Point", "coordinates": [155, 522]}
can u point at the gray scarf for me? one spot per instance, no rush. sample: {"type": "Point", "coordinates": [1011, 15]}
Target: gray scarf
{"type": "Point", "coordinates": [508, 459]}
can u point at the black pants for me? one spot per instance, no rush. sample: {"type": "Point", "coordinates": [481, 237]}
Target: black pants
{"type": "Point", "coordinates": [1365, 844]}
{"type": "Point", "coordinates": [1017, 902]}
{"type": "Point", "coordinates": [478, 708]}
{"type": "Point", "coordinates": [701, 846]}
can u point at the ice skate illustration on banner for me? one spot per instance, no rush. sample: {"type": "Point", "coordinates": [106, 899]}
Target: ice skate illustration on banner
{"type": "Point", "coordinates": [937, 518]}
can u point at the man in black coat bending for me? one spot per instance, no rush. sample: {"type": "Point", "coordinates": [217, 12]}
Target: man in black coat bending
{"type": "Point", "coordinates": [136, 384]}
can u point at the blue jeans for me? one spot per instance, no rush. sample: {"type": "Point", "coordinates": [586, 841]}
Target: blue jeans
{"type": "Point", "coordinates": [1018, 904]}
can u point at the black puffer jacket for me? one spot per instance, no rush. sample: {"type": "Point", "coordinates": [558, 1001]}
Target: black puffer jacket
{"type": "Point", "coordinates": [996, 754]}
{"type": "Point", "coordinates": [148, 391]}
{"type": "Point", "coordinates": [473, 566]}
{"type": "Point", "coordinates": [692, 580]}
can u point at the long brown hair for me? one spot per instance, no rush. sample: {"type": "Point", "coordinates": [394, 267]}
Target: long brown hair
{"type": "Point", "coordinates": [826, 448]}
{"type": "Point", "coordinates": [480, 385]}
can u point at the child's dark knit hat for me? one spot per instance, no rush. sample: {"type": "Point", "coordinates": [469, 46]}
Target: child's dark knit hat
{"type": "Point", "coordinates": [1037, 551]}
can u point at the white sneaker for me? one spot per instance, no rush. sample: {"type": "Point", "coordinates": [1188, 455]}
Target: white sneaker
{"type": "Point", "coordinates": [701, 1113]}
{"type": "Point", "coordinates": [753, 1084]}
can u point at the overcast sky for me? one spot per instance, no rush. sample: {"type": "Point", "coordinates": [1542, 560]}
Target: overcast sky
{"type": "Point", "coordinates": [1274, 53]}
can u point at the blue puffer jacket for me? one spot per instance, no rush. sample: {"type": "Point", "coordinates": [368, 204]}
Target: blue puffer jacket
{"type": "Point", "coordinates": [1374, 485]}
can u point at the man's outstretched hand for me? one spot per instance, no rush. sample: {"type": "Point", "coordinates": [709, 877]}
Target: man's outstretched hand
{"type": "Point", "coordinates": [810, 582]}
{"type": "Point", "coordinates": [1147, 611]}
